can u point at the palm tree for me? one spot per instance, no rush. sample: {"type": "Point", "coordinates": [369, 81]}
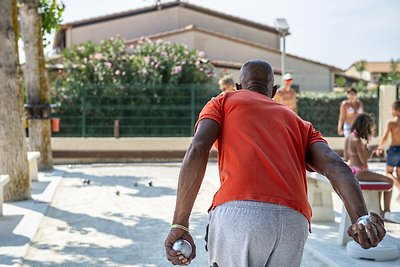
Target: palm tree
{"type": "Point", "coordinates": [13, 158]}
{"type": "Point", "coordinates": [360, 67]}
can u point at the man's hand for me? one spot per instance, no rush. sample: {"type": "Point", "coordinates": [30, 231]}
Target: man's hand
{"type": "Point", "coordinates": [359, 232]}
{"type": "Point", "coordinates": [176, 257]}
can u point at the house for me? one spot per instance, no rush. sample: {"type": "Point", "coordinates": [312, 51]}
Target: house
{"type": "Point", "coordinates": [228, 41]}
{"type": "Point", "coordinates": [373, 71]}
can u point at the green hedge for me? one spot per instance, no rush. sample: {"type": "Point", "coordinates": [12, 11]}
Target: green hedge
{"type": "Point", "coordinates": [169, 110]}
{"type": "Point", "coordinates": [322, 110]}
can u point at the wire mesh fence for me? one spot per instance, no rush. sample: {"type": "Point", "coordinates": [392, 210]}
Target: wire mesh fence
{"type": "Point", "coordinates": [142, 110]}
{"type": "Point", "coordinates": [136, 110]}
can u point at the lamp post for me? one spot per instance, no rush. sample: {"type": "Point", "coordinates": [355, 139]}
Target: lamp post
{"type": "Point", "coordinates": [282, 27]}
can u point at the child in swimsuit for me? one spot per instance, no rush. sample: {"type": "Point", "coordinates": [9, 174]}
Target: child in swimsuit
{"type": "Point", "coordinates": [393, 153]}
{"type": "Point", "coordinates": [357, 152]}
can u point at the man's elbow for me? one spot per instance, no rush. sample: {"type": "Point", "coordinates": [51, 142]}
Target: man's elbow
{"type": "Point", "coordinates": [198, 149]}
{"type": "Point", "coordinates": [335, 167]}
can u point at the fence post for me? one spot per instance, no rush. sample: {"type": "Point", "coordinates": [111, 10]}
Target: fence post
{"type": "Point", "coordinates": [192, 109]}
{"type": "Point", "coordinates": [116, 128]}
{"type": "Point", "coordinates": [83, 109]}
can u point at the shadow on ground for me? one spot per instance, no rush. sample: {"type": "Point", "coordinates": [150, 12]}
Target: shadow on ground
{"type": "Point", "coordinates": [111, 238]}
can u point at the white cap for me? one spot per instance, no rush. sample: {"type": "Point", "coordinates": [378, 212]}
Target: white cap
{"type": "Point", "coordinates": [287, 76]}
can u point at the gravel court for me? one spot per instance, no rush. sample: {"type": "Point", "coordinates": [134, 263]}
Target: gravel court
{"type": "Point", "coordinates": [93, 225]}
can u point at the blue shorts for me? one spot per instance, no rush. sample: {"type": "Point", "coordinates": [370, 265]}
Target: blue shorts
{"type": "Point", "coordinates": [393, 156]}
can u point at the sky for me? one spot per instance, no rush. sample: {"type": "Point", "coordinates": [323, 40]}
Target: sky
{"type": "Point", "coordinates": [337, 33]}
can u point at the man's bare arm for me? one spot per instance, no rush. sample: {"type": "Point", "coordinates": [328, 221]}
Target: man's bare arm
{"type": "Point", "coordinates": [326, 162]}
{"type": "Point", "coordinates": [193, 168]}
{"type": "Point", "coordinates": [323, 160]}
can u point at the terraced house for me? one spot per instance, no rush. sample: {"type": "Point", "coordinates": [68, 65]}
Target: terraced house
{"type": "Point", "coordinates": [228, 41]}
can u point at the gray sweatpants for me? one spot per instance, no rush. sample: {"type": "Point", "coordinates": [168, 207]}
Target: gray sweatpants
{"type": "Point", "coordinates": [255, 234]}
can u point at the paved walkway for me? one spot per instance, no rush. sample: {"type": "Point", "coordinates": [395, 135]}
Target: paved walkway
{"type": "Point", "coordinates": [92, 225]}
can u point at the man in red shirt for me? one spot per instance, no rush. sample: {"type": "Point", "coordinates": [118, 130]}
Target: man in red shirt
{"type": "Point", "coordinates": [260, 216]}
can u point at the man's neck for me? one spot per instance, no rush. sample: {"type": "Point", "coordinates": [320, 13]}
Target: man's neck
{"type": "Point", "coordinates": [258, 90]}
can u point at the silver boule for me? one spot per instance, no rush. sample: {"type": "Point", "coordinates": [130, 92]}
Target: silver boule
{"type": "Point", "coordinates": [183, 246]}
{"type": "Point", "coordinates": [367, 219]}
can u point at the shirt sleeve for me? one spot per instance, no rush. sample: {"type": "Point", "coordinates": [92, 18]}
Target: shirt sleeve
{"type": "Point", "coordinates": [313, 137]}
{"type": "Point", "coordinates": [212, 110]}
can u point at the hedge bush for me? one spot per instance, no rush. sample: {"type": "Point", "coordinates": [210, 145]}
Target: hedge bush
{"type": "Point", "coordinates": [322, 110]}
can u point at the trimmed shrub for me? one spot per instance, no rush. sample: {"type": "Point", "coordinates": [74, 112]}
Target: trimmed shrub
{"type": "Point", "coordinates": [322, 110]}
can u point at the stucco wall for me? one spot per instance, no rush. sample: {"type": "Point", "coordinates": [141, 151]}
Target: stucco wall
{"type": "Point", "coordinates": [166, 20]}
{"type": "Point", "coordinates": [309, 76]}
{"type": "Point", "coordinates": [365, 75]}
{"type": "Point", "coordinates": [231, 28]}
{"type": "Point", "coordinates": [127, 28]}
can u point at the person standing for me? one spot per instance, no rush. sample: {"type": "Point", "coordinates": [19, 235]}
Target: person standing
{"type": "Point", "coordinates": [393, 153]}
{"type": "Point", "coordinates": [287, 95]}
{"type": "Point", "coordinates": [260, 215]}
{"type": "Point", "coordinates": [349, 110]}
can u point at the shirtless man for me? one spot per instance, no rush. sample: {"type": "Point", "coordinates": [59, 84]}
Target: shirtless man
{"type": "Point", "coordinates": [349, 109]}
{"type": "Point", "coordinates": [286, 95]}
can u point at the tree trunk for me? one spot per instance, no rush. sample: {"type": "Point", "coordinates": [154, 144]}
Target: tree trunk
{"type": "Point", "coordinates": [35, 80]}
{"type": "Point", "coordinates": [13, 158]}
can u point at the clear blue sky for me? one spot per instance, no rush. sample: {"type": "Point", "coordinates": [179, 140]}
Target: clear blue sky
{"type": "Point", "coordinates": [337, 32]}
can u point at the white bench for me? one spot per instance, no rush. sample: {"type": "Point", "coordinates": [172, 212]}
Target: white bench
{"type": "Point", "coordinates": [320, 197]}
{"type": "Point", "coordinates": [371, 197]}
{"type": "Point", "coordinates": [4, 179]}
{"type": "Point", "coordinates": [33, 165]}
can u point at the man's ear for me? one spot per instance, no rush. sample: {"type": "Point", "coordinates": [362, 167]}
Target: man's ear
{"type": "Point", "coordinates": [238, 86]}
{"type": "Point", "coordinates": [274, 89]}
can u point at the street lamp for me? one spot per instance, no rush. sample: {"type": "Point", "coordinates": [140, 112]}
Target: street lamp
{"type": "Point", "coordinates": [282, 27]}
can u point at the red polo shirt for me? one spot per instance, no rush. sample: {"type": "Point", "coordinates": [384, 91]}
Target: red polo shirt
{"type": "Point", "coordinates": [262, 149]}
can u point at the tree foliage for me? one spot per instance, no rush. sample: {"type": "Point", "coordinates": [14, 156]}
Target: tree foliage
{"type": "Point", "coordinates": [51, 12]}
{"type": "Point", "coordinates": [145, 85]}
{"type": "Point", "coordinates": [393, 77]}
{"type": "Point", "coordinates": [360, 66]}
{"type": "Point", "coordinates": [146, 62]}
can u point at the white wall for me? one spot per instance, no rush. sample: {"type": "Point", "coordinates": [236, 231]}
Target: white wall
{"type": "Point", "coordinates": [308, 75]}
{"type": "Point", "coordinates": [127, 28]}
{"type": "Point", "coordinates": [231, 28]}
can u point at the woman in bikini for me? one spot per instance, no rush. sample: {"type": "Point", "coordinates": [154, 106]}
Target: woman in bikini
{"type": "Point", "coordinates": [349, 110]}
{"type": "Point", "coordinates": [357, 152]}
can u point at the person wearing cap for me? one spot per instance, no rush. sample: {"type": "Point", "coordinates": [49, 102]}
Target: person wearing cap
{"type": "Point", "coordinates": [286, 95]}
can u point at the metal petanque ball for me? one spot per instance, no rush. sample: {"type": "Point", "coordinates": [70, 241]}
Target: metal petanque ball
{"type": "Point", "coordinates": [183, 246]}
{"type": "Point", "coordinates": [364, 220]}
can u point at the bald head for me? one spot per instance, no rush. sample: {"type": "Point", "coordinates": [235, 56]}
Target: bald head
{"type": "Point", "coordinates": [257, 75]}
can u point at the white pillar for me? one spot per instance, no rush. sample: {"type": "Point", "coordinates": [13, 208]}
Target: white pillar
{"type": "Point", "coordinates": [387, 95]}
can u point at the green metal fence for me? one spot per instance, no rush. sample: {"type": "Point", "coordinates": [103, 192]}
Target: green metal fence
{"type": "Point", "coordinates": [141, 110]}
{"type": "Point", "coordinates": [90, 110]}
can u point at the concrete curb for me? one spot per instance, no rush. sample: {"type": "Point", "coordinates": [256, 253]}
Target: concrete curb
{"type": "Point", "coordinates": [22, 219]}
